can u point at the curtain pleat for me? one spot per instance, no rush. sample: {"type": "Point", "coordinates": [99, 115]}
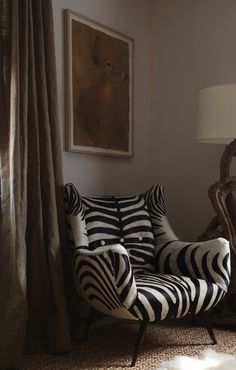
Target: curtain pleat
{"type": "Point", "coordinates": [33, 307]}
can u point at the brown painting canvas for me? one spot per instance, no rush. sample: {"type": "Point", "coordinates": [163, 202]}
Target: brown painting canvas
{"type": "Point", "coordinates": [100, 84]}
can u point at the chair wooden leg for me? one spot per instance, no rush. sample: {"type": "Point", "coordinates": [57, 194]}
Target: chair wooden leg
{"type": "Point", "coordinates": [142, 330]}
{"type": "Point", "coordinates": [89, 321]}
{"type": "Point", "coordinates": [208, 326]}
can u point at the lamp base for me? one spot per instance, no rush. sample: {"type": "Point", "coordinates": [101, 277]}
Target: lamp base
{"type": "Point", "coordinates": [225, 313]}
{"type": "Point", "coordinates": [224, 319]}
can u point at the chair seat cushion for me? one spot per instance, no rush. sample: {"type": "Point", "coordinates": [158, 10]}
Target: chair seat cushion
{"type": "Point", "coordinates": [167, 296]}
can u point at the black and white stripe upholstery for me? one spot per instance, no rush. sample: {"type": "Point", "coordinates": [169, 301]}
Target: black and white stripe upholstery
{"type": "Point", "coordinates": [128, 263]}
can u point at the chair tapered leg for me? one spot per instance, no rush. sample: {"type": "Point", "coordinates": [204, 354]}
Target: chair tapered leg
{"type": "Point", "coordinates": [208, 326]}
{"type": "Point", "coordinates": [89, 321]}
{"type": "Point", "coordinates": [142, 330]}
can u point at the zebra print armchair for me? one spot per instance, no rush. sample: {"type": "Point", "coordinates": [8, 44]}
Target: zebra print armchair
{"type": "Point", "coordinates": [129, 264]}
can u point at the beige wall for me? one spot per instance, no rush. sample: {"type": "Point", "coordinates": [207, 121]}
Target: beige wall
{"type": "Point", "coordinates": [101, 175]}
{"type": "Point", "coordinates": [180, 46]}
{"type": "Point", "coordinates": [194, 46]}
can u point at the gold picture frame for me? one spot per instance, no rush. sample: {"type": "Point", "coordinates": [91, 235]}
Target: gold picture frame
{"type": "Point", "coordinates": [98, 88]}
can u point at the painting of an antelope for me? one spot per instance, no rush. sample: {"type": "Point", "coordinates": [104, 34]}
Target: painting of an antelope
{"type": "Point", "coordinates": [99, 88]}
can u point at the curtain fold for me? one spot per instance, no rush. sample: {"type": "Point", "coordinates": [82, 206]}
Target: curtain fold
{"type": "Point", "coordinates": [33, 308]}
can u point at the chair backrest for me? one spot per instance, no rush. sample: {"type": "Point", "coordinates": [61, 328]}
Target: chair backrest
{"type": "Point", "coordinates": [101, 221]}
{"type": "Point", "coordinates": [124, 220]}
{"type": "Point", "coordinates": [137, 222]}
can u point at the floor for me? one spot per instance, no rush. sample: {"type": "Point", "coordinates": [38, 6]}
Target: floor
{"type": "Point", "coordinates": [111, 347]}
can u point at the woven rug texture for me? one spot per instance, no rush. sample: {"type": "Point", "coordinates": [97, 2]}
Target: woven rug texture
{"type": "Point", "coordinates": [111, 347]}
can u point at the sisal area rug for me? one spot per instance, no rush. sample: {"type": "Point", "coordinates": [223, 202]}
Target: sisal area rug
{"type": "Point", "coordinates": [206, 360]}
{"type": "Point", "coordinates": [111, 347]}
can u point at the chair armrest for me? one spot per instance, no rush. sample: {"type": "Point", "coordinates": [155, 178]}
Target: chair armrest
{"type": "Point", "coordinates": [105, 274]}
{"type": "Point", "coordinates": [207, 260]}
{"type": "Point", "coordinates": [115, 248]}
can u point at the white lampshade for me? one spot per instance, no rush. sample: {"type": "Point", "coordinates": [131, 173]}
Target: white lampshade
{"type": "Point", "coordinates": [216, 114]}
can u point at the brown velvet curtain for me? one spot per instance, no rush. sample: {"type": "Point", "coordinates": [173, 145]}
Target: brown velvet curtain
{"type": "Point", "coordinates": [33, 309]}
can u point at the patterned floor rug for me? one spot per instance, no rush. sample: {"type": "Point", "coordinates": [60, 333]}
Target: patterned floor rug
{"type": "Point", "coordinates": [206, 360]}
{"type": "Point", "coordinates": [111, 347]}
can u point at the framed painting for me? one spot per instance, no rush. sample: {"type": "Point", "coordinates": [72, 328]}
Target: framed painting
{"type": "Point", "coordinates": [98, 88]}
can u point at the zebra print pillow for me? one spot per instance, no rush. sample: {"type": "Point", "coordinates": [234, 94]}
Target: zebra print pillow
{"type": "Point", "coordinates": [124, 220]}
